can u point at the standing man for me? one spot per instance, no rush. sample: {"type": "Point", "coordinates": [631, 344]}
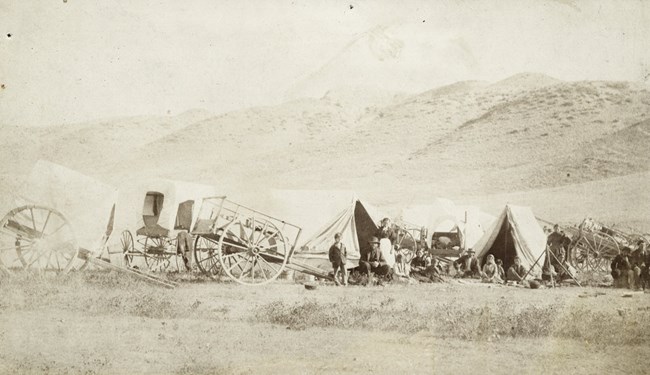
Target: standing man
{"type": "Point", "coordinates": [372, 261]}
{"type": "Point", "coordinates": [386, 231]}
{"type": "Point", "coordinates": [339, 257]}
{"type": "Point", "coordinates": [555, 242]}
{"type": "Point", "coordinates": [622, 272]}
{"type": "Point", "coordinates": [640, 262]}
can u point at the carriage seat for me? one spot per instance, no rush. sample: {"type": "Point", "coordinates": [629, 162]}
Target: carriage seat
{"type": "Point", "coordinates": [154, 231]}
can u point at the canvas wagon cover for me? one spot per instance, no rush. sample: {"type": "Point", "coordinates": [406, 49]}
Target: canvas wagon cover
{"type": "Point", "coordinates": [133, 202]}
{"type": "Point", "coordinates": [86, 202]}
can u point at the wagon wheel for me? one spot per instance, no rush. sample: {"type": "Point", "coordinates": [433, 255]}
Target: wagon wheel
{"type": "Point", "coordinates": [206, 254]}
{"type": "Point", "coordinates": [156, 256]}
{"type": "Point", "coordinates": [406, 247]}
{"type": "Point", "coordinates": [252, 252]}
{"type": "Point", "coordinates": [592, 253]}
{"type": "Point", "coordinates": [41, 237]}
{"type": "Point", "coordinates": [128, 247]}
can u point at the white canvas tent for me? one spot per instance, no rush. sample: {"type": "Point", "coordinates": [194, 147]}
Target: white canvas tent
{"type": "Point", "coordinates": [87, 203]}
{"type": "Point", "coordinates": [159, 207]}
{"type": "Point", "coordinates": [321, 214]}
{"type": "Point", "coordinates": [515, 232]}
{"type": "Point", "coordinates": [442, 215]}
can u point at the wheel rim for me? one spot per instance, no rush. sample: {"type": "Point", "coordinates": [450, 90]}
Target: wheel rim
{"type": "Point", "coordinates": [206, 254]}
{"type": "Point", "coordinates": [37, 238]}
{"type": "Point", "coordinates": [253, 252]}
{"type": "Point", "coordinates": [128, 247]}
{"type": "Point", "coordinates": [156, 256]}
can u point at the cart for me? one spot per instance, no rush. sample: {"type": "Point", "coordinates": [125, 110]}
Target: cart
{"type": "Point", "coordinates": [56, 213]}
{"type": "Point", "coordinates": [594, 245]}
{"type": "Point", "coordinates": [165, 213]}
{"type": "Point", "coordinates": [245, 245]}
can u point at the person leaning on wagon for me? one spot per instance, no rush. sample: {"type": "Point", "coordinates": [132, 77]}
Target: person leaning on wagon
{"type": "Point", "coordinates": [372, 261]}
{"type": "Point", "coordinates": [467, 265]}
{"type": "Point", "coordinates": [338, 258]}
{"type": "Point", "coordinates": [622, 272]}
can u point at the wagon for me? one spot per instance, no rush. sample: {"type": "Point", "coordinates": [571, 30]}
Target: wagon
{"type": "Point", "coordinates": [246, 245]}
{"type": "Point", "coordinates": [55, 213]}
{"type": "Point", "coordinates": [164, 212]}
{"type": "Point", "coordinates": [594, 245]}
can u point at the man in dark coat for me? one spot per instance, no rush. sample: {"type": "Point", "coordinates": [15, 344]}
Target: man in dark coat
{"type": "Point", "coordinates": [622, 269]}
{"type": "Point", "coordinates": [516, 272]}
{"type": "Point", "coordinates": [467, 265]}
{"type": "Point", "coordinates": [641, 262]}
{"type": "Point", "coordinates": [372, 261]}
{"type": "Point", "coordinates": [386, 231]}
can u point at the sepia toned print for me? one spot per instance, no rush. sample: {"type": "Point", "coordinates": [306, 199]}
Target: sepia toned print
{"type": "Point", "coordinates": [294, 187]}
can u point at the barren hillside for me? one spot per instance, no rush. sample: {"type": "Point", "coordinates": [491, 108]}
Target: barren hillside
{"type": "Point", "coordinates": [526, 133]}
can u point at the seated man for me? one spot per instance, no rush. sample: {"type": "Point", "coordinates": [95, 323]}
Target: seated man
{"type": "Point", "coordinates": [516, 272]}
{"type": "Point", "coordinates": [425, 269]}
{"type": "Point", "coordinates": [373, 261]}
{"type": "Point", "coordinates": [467, 265]}
{"type": "Point", "coordinates": [622, 272]}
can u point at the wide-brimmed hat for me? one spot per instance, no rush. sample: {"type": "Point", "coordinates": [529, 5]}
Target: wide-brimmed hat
{"type": "Point", "coordinates": [470, 251]}
{"type": "Point", "coordinates": [373, 239]}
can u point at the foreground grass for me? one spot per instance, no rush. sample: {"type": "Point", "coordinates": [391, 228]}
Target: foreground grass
{"type": "Point", "coordinates": [448, 320]}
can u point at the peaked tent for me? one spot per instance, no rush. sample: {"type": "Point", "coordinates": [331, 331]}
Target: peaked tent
{"type": "Point", "coordinates": [515, 232]}
{"type": "Point", "coordinates": [321, 214]}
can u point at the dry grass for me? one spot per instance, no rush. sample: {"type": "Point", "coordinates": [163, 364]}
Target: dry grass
{"type": "Point", "coordinates": [449, 320]}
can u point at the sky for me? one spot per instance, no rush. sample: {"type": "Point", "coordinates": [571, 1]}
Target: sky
{"type": "Point", "coordinates": [72, 61]}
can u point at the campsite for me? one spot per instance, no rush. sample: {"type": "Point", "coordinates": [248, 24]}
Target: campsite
{"type": "Point", "coordinates": [318, 187]}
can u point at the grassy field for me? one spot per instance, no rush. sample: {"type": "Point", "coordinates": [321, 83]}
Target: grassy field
{"type": "Point", "coordinates": [106, 323]}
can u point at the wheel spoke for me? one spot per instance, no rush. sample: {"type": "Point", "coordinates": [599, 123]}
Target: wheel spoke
{"type": "Point", "coordinates": [275, 270]}
{"type": "Point", "coordinates": [244, 269]}
{"type": "Point", "coordinates": [262, 268]}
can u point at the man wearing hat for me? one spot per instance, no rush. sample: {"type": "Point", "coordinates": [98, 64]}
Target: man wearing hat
{"type": "Point", "coordinates": [467, 265]}
{"type": "Point", "coordinates": [372, 261]}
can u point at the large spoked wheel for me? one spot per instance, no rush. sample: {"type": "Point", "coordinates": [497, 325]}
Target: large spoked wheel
{"type": "Point", "coordinates": [128, 247]}
{"type": "Point", "coordinates": [593, 253]}
{"type": "Point", "coordinates": [36, 237]}
{"type": "Point", "coordinates": [206, 254]}
{"type": "Point", "coordinates": [252, 252]}
{"type": "Point", "coordinates": [156, 255]}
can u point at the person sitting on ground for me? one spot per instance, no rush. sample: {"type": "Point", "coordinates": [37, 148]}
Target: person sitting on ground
{"type": "Point", "coordinates": [622, 272]}
{"type": "Point", "coordinates": [338, 258]}
{"type": "Point", "coordinates": [490, 272]}
{"type": "Point", "coordinates": [467, 265]}
{"type": "Point", "coordinates": [372, 261]}
{"type": "Point", "coordinates": [640, 262]}
{"type": "Point", "coordinates": [423, 268]}
{"type": "Point", "coordinates": [500, 271]}
{"type": "Point", "coordinates": [516, 272]}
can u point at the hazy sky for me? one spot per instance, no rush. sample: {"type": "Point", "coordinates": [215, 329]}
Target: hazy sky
{"type": "Point", "coordinates": [78, 60]}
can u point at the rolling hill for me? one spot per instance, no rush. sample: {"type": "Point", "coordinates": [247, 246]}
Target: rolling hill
{"type": "Point", "coordinates": [527, 133]}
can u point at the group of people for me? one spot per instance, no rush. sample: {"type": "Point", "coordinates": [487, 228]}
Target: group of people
{"type": "Point", "coordinates": [373, 262]}
{"type": "Point", "coordinates": [630, 269]}
{"type": "Point", "coordinates": [468, 266]}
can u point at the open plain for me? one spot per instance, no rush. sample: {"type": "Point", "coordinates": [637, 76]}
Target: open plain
{"type": "Point", "coordinates": [105, 323]}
